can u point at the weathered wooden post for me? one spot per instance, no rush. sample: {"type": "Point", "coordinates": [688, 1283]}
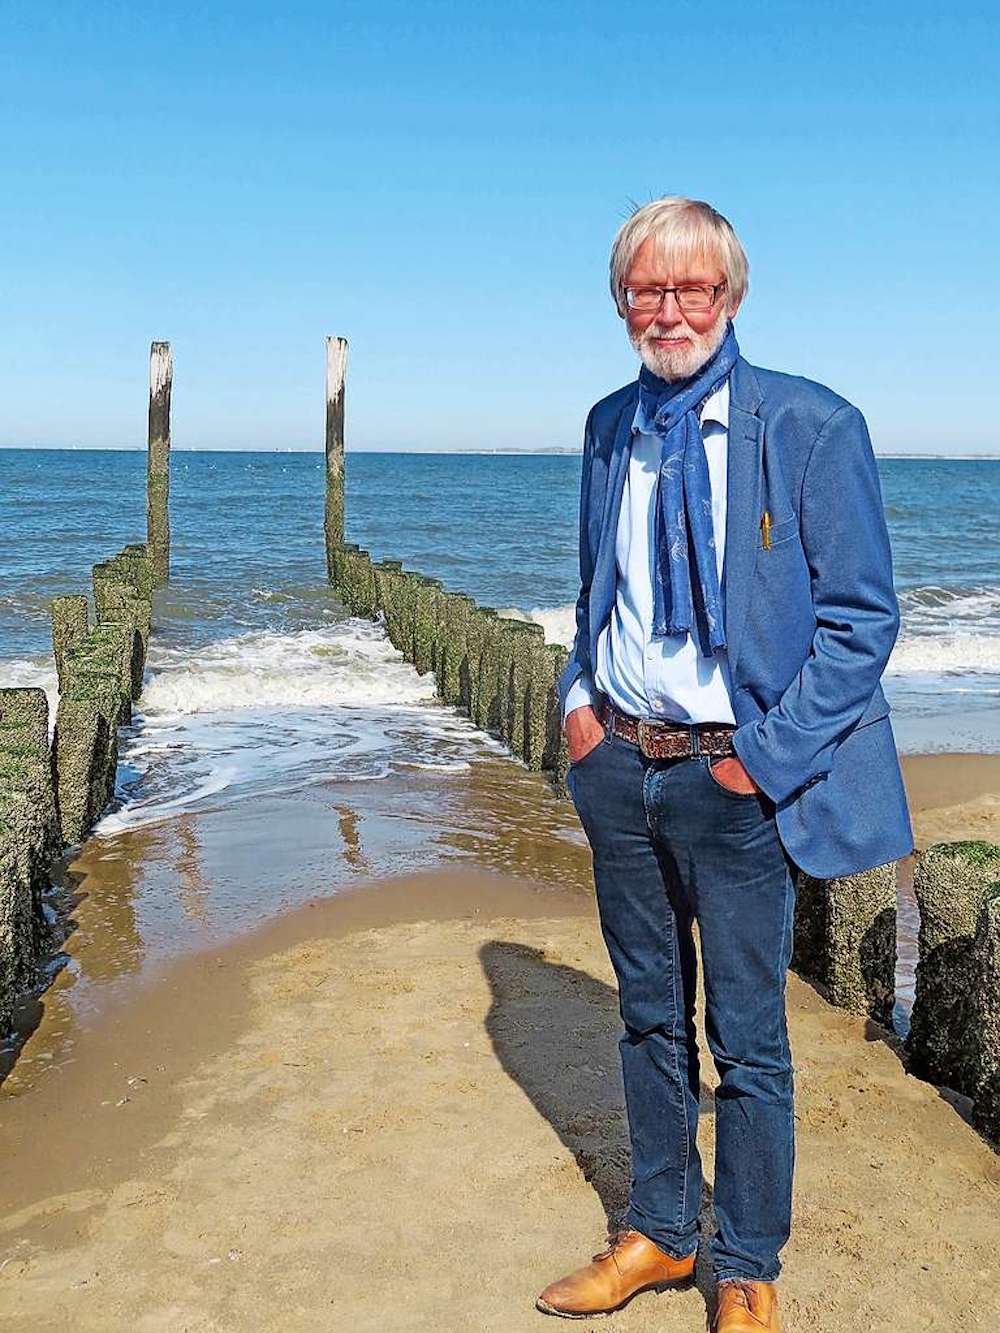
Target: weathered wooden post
{"type": "Point", "coordinates": [336, 373]}
{"type": "Point", "coordinates": [986, 1108]}
{"type": "Point", "coordinates": [161, 375]}
{"type": "Point", "coordinates": [951, 882]}
{"type": "Point", "coordinates": [845, 938]}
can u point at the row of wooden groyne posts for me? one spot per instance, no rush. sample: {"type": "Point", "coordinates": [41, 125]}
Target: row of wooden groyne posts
{"type": "Point", "coordinates": [502, 675]}
{"type": "Point", "coordinates": [53, 790]}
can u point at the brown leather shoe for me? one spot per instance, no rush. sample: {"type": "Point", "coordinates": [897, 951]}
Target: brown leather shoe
{"type": "Point", "coordinates": [746, 1307]}
{"type": "Point", "coordinates": [630, 1264]}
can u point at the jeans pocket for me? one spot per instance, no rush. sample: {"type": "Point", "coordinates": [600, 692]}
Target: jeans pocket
{"type": "Point", "coordinates": [576, 764]}
{"type": "Point", "coordinates": [733, 795]}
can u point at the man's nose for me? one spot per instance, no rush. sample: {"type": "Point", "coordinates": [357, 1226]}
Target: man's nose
{"type": "Point", "coordinates": [670, 312]}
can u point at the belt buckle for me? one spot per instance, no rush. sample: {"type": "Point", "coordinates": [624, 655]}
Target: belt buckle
{"type": "Point", "coordinates": [643, 731]}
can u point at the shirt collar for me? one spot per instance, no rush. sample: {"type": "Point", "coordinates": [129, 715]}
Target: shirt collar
{"type": "Point", "coordinates": [717, 405]}
{"type": "Point", "coordinates": [716, 408]}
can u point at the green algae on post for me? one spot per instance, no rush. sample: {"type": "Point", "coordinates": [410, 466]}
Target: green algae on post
{"type": "Point", "coordinates": [29, 836]}
{"type": "Point", "coordinates": [426, 594]}
{"type": "Point", "coordinates": [951, 882]}
{"type": "Point", "coordinates": [525, 636]}
{"type": "Point", "coordinates": [69, 626]}
{"type": "Point", "coordinates": [986, 1060]}
{"type": "Point", "coordinates": [86, 749]}
{"type": "Point", "coordinates": [457, 609]}
{"type": "Point", "coordinates": [845, 939]}
{"type": "Point", "coordinates": [26, 759]}
{"type": "Point", "coordinates": [388, 590]}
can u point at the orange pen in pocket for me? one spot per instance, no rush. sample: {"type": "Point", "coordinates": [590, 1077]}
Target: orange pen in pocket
{"type": "Point", "coordinates": [765, 530]}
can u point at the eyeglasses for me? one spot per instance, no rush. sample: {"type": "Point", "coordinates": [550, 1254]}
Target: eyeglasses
{"type": "Point", "coordinates": [690, 298]}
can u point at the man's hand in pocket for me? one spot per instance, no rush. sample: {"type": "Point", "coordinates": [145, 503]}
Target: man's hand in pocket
{"type": "Point", "coordinates": [730, 773]}
{"type": "Point", "coordinates": [583, 732]}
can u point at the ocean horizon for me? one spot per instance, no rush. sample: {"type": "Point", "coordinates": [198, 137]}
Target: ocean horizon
{"type": "Point", "coordinates": [572, 450]}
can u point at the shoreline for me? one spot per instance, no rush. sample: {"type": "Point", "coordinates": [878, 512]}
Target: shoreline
{"type": "Point", "coordinates": [951, 796]}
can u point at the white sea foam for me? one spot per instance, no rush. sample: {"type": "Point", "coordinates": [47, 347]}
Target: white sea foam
{"type": "Point", "coordinates": [265, 712]}
{"type": "Point", "coordinates": [32, 673]}
{"type": "Point", "coordinates": [558, 622]}
{"type": "Point", "coordinates": [944, 631]}
{"type": "Point", "coordinates": [946, 654]}
{"type": "Point", "coordinates": [351, 663]}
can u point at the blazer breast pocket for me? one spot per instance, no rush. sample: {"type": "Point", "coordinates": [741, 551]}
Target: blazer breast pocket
{"type": "Point", "coordinates": [782, 531]}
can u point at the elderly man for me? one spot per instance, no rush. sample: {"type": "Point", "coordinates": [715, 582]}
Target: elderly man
{"type": "Point", "coordinates": [725, 725]}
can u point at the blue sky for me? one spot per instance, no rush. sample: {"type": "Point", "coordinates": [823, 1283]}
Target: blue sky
{"type": "Point", "coordinates": [440, 183]}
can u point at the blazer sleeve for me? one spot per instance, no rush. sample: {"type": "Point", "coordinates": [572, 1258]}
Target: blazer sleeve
{"type": "Point", "coordinates": [579, 664]}
{"type": "Point", "coordinates": [846, 543]}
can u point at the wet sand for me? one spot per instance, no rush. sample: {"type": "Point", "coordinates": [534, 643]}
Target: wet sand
{"type": "Point", "coordinates": [400, 1107]}
{"type": "Point", "coordinates": [953, 796]}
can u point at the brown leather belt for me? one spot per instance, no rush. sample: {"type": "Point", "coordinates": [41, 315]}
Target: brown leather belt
{"type": "Point", "coordinates": [668, 740]}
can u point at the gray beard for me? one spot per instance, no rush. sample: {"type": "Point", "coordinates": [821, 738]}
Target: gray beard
{"type": "Point", "coordinates": [680, 365]}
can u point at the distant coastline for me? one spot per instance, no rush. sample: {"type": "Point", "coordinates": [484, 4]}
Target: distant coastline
{"type": "Point", "coordinates": [554, 450]}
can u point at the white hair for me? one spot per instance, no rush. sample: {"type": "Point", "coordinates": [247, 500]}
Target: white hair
{"type": "Point", "coordinates": [684, 229]}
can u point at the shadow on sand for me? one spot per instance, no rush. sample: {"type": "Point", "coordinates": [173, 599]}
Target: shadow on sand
{"type": "Point", "coordinates": [554, 1029]}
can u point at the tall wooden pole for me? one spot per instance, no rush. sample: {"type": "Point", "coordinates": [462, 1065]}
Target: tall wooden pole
{"type": "Point", "coordinates": [161, 376]}
{"type": "Point", "coordinates": [336, 374]}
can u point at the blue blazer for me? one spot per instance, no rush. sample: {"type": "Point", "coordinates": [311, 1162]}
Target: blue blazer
{"type": "Point", "coordinates": [810, 622]}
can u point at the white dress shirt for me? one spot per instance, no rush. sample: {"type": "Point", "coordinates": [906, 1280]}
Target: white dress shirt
{"type": "Point", "coordinates": [663, 677]}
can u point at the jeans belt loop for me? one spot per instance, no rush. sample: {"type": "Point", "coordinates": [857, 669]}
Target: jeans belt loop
{"type": "Point", "coordinates": [695, 742]}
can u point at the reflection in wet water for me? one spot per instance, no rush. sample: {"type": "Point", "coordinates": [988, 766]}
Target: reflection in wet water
{"type": "Point", "coordinates": [143, 895]}
{"type": "Point", "coordinates": [193, 889]}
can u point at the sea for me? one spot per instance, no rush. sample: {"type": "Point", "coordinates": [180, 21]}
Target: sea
{"type": "Point", "coordinates": [257, 680]}
{"type": "Point", "coordinates": [260, 689]}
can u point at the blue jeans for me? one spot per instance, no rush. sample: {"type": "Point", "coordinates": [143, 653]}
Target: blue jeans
{"type": "Point", "coordinates": [670, 846]}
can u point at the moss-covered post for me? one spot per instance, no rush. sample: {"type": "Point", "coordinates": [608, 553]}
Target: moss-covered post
{"type": "Point", "coordinates": [117, 600]}
{"type": "Point", "coordinates": [86, 758]}
{"type": "Point", "coordinates": [951, 881]}
{"type": "Point", "coordinates": [502, 646]}
{"type": "Point", "coordinates": [540, 697]}
{"type": "Point", "coordinates": [861, 925]}
{"type": "Point", "coordinates": [364, 588]}
{"type": "Point", "coordinates": [458, 607]}
{"type": "Point", "coordinates": [336, 374]}
{"type": "Point", "coordinates": [389, 580]}
{"type": "Point", "coordinates": [69, 628]}
{"type": "Point", "coordinates": [986, 1107]}
{"type": "Point", "coordinates": [556, 756]}
{"type": "Point", "coordinates": [26, 761]}
{"type": "Point", "coordinates": [425, 621]}
{"type": "Point", "coordinates": [845, 937]}
{"type": "Point", "coordinates": [809, 950]}
{"type": "Point", "coordinates": [161, 376]}
{"type": "Point", "coordinates": [29, 837]}
{"type": "Point", "coordinates": [526, 637]}
{"type": "Point", "coordinates": [475, 676]}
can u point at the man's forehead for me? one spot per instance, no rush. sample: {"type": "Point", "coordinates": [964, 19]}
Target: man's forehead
{"type": "Point", "coordinates": [655, 260]}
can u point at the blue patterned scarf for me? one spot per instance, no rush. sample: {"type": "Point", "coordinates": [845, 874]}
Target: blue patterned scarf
{"type": "Point", "coordinates": [684, 501]}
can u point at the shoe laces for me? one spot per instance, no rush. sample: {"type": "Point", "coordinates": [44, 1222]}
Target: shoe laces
{"type": "Point", "coordinates": [614, 1241]}
{"type": "Point", "coordinates": [744, 1291]}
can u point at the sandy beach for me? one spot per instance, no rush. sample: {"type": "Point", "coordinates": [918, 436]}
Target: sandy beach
{"type": "Point", "coordinates": [399, 1107]}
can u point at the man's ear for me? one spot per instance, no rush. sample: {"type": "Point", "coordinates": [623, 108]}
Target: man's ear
{"type": "Point", "coordinates": [734, 308]}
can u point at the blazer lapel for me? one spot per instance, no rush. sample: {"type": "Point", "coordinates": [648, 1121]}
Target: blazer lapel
{"type": "Point", "coordinates": [743, 474]}
{"type": "Point", "coordinates": [604, 583]}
